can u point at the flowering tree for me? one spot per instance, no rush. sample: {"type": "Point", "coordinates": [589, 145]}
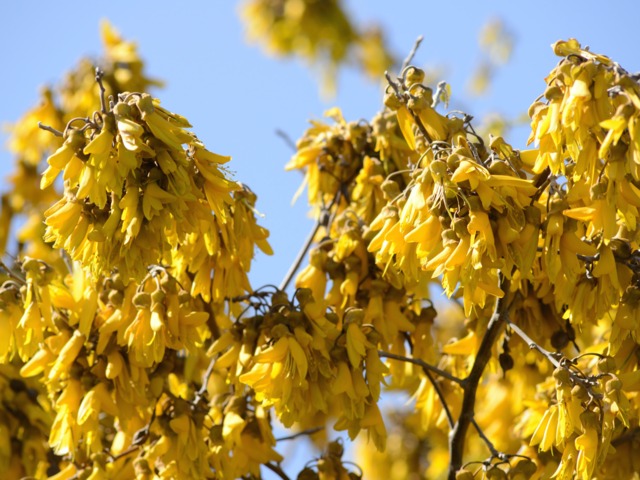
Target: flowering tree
{"type": "Point", "coordinates": [132, 344]}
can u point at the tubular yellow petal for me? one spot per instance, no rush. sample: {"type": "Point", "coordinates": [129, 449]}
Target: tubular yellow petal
{"type": "Point", "coordinates": [299, 357]}
{"type": "Point", "coordinates": [274, 353]}
{"type": "Point", "coordinates": [405, 122]}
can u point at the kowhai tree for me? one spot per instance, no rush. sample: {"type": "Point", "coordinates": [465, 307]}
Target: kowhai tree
{"type": "Point", "coordinates": [132, 344]}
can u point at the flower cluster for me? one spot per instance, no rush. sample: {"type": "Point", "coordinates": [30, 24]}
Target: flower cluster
{"type": "Point", "coordinates": [320, 32]}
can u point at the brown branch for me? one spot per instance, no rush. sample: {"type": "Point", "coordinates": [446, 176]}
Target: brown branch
{"type": "Point", "coordinates": [412, 53]}
{"type": "Point", "coordinates": [558, 361]}
{"type": "Point", "coordinates": [494, 453]}
{"type": "Point", "coordinates": [309, 431]}
{"type": "Point", "coordinates": [532, 344]}
{"type": "Point", "coordinates": [438, 390]}
{"type": "Point", "coordinates": [422, 364]}
{"type": "Point", "coordinates": [440, 393]}
{"type": "Point", "coordinates": [321, 221]}
{"type": "Point", "coordinates": [470, 384]}
{"type": "Point", "coordinates": [277, 470]}
{"type": "Point", "coordinates": [205, 382]}
{"type": "Point", "coordinates": [301, 254]}
{"type": "Point", "coordinates": [99, 77]}
{"type": "Point", "coordinates": [57, 133]}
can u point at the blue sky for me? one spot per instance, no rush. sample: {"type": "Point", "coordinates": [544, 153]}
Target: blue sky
{"type": "Point", "coordinates": [236, 97]}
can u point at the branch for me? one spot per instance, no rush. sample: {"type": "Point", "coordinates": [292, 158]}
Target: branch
{"type": "Point", "coordinates": [443, 401]}
{"type": "Point", "coordinates": [309, 431]}
{"type": "Point", "coordinates": [413, 114]}
{"type": "Point", "coordinates": [57, 133]}
{"type": "Point", "coordinates": [558, 361]}
{"type": "Point", "coordinates": [301, 254]}
{"type": "Point", "coordinates": [205, 382]}
{"type": "Point", "coordinates": [99, 77]}
{"type": "Point", "coordinates": [485, 439]}
{"type": "Point", "coordinates": [277, 470]}
{"type": "Point", "coordinates": [438, 390]}
{"type": "Point", "coordinates": [322, 221]}
{"type": "Point", "coordinates": [470, 384]}
{"type": "Point", "coordinates": [533, 345]}
{"type": "Point", "coordinates": [287, 139]}
{"type": "Point", "coordinates": [425, 365]}
{"type": "Point", "coordinates": [412, 53]}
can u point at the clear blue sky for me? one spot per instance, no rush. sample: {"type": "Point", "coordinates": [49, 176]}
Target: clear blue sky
{"type": "Point", "coordinates": [236, 97]}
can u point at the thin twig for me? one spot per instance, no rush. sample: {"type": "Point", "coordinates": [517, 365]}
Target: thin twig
{"type": "Point", "coordinates": [558, 361]}
{"type": "Point", "coordinates": [412, 53]}
{"type": "Point", "coordinates": [287, 139]}
{"type": "Point", "coordinates": [533, 345]}
{"type": "Point", "coordinates": [443, 401]}
{"type": "Point", "coordinates": [277, 470]}
{"type": "Point", "coordinates": [425, 365]}
{"type": "Point", "coordinates": [205, 381]}
{"type": "Point", "coordinates": [322, 221]}
{"type": "Point", "coordinates": [438, 390]}
{"type": "Point", "coordinates": [301, 254]}
{"type": "Point", "coordinates": [470, 384]}
{"type": "Point", "coordinates": [309, 431]}
{"type": "Point", "coordinates": [485, 439]}
{"type": "Point", "coordinates": [99, 77]}
{"type": "Point", "coordinates": [57, 133]}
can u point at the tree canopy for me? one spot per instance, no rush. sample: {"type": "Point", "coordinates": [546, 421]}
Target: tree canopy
{"type": "Point", "coordinates": [133, 344]}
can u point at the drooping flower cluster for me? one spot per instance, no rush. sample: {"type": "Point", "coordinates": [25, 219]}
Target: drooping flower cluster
{"type": "Point", "coordinates": [134, 196]}
{"type": "Point", "coordinates": [320, 32]}
{"type": "Point", "coordinates": [75, 97]}
{"type": "Point", "coordinates": [306, 362]}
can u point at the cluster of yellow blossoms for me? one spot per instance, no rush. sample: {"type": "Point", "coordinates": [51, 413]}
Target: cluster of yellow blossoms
{"type": "Point", "coordinates": [417, 196]}
{"type": "Point", "coordinates": [107, 313]}
{"type": "Point", "coordinates": [320, 32]}
{"type": "Point", "coordinates": [133, 346]}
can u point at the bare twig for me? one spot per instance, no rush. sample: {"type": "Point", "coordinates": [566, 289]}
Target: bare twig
{"type": "Point", "coordinates": [277, 470]}
{"type": "Point", "coordinates": [425, 365]}
{"type": "Point", "coordinates": [443, 401]}
{"type": "Point", "coordinates": [57, 133]}
{"type": "Point", "coordinates": [323, 220]}
{"type": "Point", "coordinates": [437, 389]}
{"type": "Point", "coordinates": [287, 139]}
{"type": "Point", "coordinates": [494, 453]}
{"type": "Point", "coordinates": [205, 381]}
{"type": "Point", "coordinates": [533, 345]}
{"type": "Point", "coordinates": [309, 431]}
{"type": "Point", "coordinates": [412, 53]}
{"type": "Point", "coordinates": [470, 384]}
{"type": "Point", "coordinates": [559, 361]}
{"type": "Point", "coordinates": [99, 77]}
{"type": "Point", "coordinates": [301, 254]}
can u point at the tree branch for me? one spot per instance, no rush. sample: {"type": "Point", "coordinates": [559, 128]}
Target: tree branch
{"type": "Point", "coordinates": [533, 345]}
{"type": "Point", "coordinates": [277, 470]}
{"type": "Point", "coordinates": [425, 365]}
{"type": "Point", "coordinates": [438, 390]}
{"type": "Point", "coordinates": [301, 254]}
{"type": "Point", "coordinates": [443, 401]}
{"type": "Point", "coordinates": [322, 221]}
{"type": "Point", "coordinates": [458, 435]}
{"type": "Point", "coordinates": [412, 53]}
{"type": "Point", "coordinates": [309, 431]}
{"type": "Point", "coordinates": [485, 439]}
